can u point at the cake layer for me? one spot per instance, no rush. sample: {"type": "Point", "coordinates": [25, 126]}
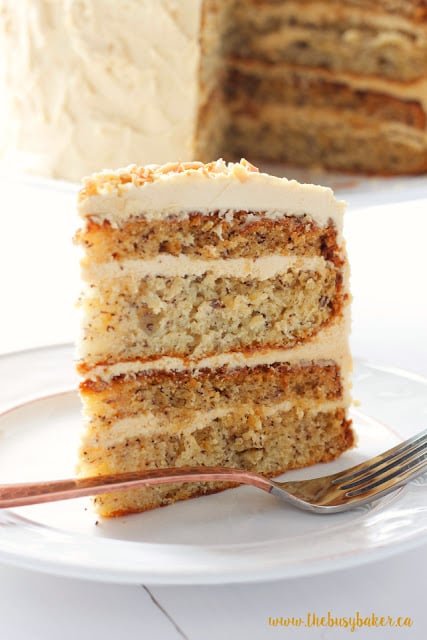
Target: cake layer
{"type": "Point", "coordinates": [196, 316]}
{"type": "Point", "coordinates": [332, 35]}
{"type": "Point", "coordinates": [181, 393]}
{"type": "Point", "coordinates": [396, 10]}
{"type": "Point", "coordinates": [304, 135]}
{"type": "Point", "coordinates": [270, 445]}
{"type": "Point", "coordinates": [246, 235]}
{"type": "Point", "coordinates": [415, 10]}
{"type": "Point", "coordinates": [252, 85]}
{"type": "Point", "coordinates": [114, 432]}
{"type": "Point", "coordinates": [328, 345]}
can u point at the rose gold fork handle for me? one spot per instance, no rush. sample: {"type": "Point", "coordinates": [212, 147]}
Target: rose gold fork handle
{"type": "Point", "coordinates": [19, 495]}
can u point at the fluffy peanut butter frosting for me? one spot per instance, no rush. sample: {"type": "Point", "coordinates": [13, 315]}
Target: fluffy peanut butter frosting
{"type": "Point", "coordinates": [178, 189]}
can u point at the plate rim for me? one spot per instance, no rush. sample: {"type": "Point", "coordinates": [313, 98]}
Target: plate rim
{"type": "Point", "coordinates": [69, 567]}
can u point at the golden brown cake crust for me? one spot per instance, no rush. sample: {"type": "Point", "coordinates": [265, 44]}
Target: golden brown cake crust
{"type": "Point", "coordinates": [209, 389]}
{"type": "Point", "coordinates": [207, 237]}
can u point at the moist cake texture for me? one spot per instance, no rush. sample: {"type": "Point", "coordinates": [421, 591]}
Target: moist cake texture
{"type": "Point", "coordinates": [215, 319]}
{"type": "Point", "coordinates": [340, 84]}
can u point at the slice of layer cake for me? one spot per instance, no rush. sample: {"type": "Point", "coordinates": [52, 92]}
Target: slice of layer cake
{"type": "Point", "coordinates": [215, 320]}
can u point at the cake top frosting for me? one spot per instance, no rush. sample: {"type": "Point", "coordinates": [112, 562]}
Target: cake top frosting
{"type": "Point", "coordinates": [108, 181]}
{"type": "Point", "coordinates": [180, 188]}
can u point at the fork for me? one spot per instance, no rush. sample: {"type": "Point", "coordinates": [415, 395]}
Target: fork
{"type": "Point", "coordinates": [341, 491]}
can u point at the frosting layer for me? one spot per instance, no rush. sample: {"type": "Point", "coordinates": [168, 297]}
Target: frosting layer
{"type": "Point", "coordinates": [159, 192]}
{"type": "Point", "coordinates": [331, 344]}
{"type": "Point", "coordinates": [166, 265]}
{"type": "Point", "coordinates": [151, 423]}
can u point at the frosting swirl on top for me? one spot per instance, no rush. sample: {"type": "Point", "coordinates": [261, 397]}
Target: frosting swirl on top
{"type": "Point", "coordinates": [157, 192]}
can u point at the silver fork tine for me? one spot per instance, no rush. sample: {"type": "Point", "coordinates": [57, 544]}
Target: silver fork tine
{"type": "Point", "coordinates": [406, 454]}
{"type": "Point", "coordinates": [399, 475]}
{"type": "Point", "coordinates": [331, 494]}
{"type": "Point", "coordinates": [381, 459]}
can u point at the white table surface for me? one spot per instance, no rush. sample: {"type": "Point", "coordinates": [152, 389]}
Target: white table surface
{"type": "Point", "coordinates": [387, 247]}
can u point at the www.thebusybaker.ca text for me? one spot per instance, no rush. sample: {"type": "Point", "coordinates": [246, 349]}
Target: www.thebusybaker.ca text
{"type": "Point", "coordinates": [351, 623]}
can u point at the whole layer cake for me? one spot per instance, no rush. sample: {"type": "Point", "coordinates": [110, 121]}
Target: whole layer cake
{"type": "Point", "coordinates": [215, 320]}
{"type": "Point", "coordinates": [340, 84]}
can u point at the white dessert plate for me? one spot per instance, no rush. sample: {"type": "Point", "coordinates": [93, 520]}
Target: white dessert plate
{"type": "Point", "coordinates": [239, 535]}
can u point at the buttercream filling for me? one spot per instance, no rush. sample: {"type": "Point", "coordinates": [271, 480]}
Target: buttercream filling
{"type": "Point", "coordinates": [226, 189]}
{"type": "Point", "coordinates": [330, 344]}
{"type": "Point", "coordinates": [165, 265]}
{"type": "Point", "coordinates": [149, 423]}
{"type": "Point", "coordinates": [412, 91]}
